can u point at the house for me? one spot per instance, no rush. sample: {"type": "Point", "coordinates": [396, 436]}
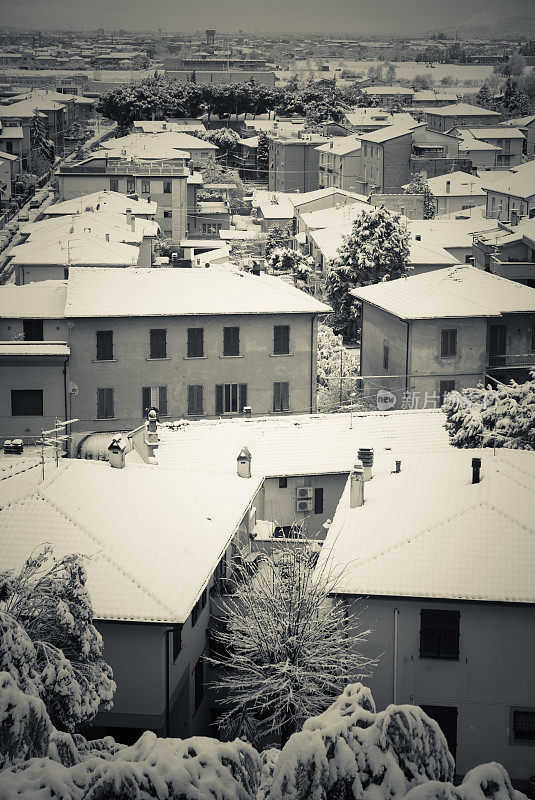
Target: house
{"type": "Point", "coordinates": [247, 159]}
{"type": "Point", "coordinates": [365, 120]}
{"type": "Point", "coordinates": [162, 180]}
{"type": "Point", "coordinates": [507, 250]}
{"type": "Point", "coordinates": [108, 202]}
{"type": "Point", "coordinates": [445, 329]}
{"type": "Point", "coordinates": [176, 125]}
{"type": "Point", "coordinates": [433, 98]}
{"type": "Point", "coordinates": [482, 154]}
{"type": "Point", "coordinates": [512, 194]}
{"type": "Point", "coordinates": [151, 589]}
{"type": "Point", "coordinates": [509, 141]}
{"type": "Point", "coordinates": [439, 583]}
{"type": "Point", "coordinates": [454, 235]}
{"type": "Point", "coordinates": [8, 172]}
{"type": "Point", "coordinates": [105, 225]}
{"type": "Point", "coordinates": [293, 162]}
{"type": "Point", "coordinates": [193, 342]}
{"type": "Point", "coordinates": [527, 126]}
{"type": "Point", "coordinates": [456, 191]}
{"type": "Point", "coordinates": [339, 163]}
{"type": "Point", "coordinates": [11, 142]}
{"type": "Point", "coordinates": [389, 94]}
{"type": "Point", "coordinates": [157, 144]}
{"type": "Point", "coordinates": [385, 156]}
{"type": "Point", "coordinates": [283, 208]}
{"type": "Point", "coordinates": [331, 217]}
{"type": "Point", "coordinates": [54, 115]}
{"type": "Point", "coordinates": [314, 453]}
{"type": "Point", "coordinates": [448, 117]}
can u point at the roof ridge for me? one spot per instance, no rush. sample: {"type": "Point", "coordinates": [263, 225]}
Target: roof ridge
{"type": "Point", "coordinates": [103, 552]}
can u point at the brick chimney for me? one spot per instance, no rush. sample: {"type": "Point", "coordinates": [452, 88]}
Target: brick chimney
{"type": "Point", "coordinates": [448, 187]}
{"type": "Point", "coordinates": [130, 218]}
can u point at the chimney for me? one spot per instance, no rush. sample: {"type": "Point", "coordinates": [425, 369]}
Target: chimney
{"type": "Point", "coordinates": [244, 463]}
{"type": "Point", "coordinates": [129, 218]}
{"type": "Point", "coordinates": [476, 470]}
{"type": "Point", "coordinates": [247, 411]}
{"type": "Point", "coordinates": [398, 467]}
{"type": "Point", "coordinates": [356, 486]}
{"type": "Point", "coordinates": [116, 453]}
{"type": "Point", "coordinates": [365, 455]}
{"type": "Point", "coordinates": [448, 187]}
{"type": "Point", "coordinates": [418, 237]}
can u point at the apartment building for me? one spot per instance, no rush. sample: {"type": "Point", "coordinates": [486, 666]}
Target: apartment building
{"type": "Point", "coordinates": [339, 163]}
{"type": "Point", "coordinates": [508, 250]}
{"type": "Point", "coordinates": [509, 141]}
{"type": "Point", "coordinates": [512, 194]}
{"type": "Point", "coordinates": [456, 191]}
{"type": "Point", "coordinates": [294, 162]}
{"type": "Point", "coordinates": [385, 156]}
{"type": "Point", "coordinates": [191, 342]}
{"type": "Point", "coordinates": [439, 583]}
{"type": "Point", "coordinates": [443, 330]}
{"type": "Point", "coordinates": [448, 117]}
{"type": "Point", "coordinates": [527, 126]}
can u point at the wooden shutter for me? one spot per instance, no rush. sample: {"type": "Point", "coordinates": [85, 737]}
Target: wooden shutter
{"type": "Point", "coordinates": [318, 501]}
{"type": "Point", "coordinates": [285, 396]}
{"type": "Point", "coordinates": [231, 341]}
{"type": "Point", "coordinates": [145, 400]}
{"type": "Point", "coordinates": [276, 397]}
{"type": "Point", "coordinates": [105, 403]}
{"type": "Point", "coordinates": [219, 398]}
{"type": "Point", "coordinates": [162, 400]}
{"type": "Point", "coordinates": [243, 396]}
{"type": "Point", "coordinates": [158, 343]}
{"type": "Point", "coordinates": [449, 634]}
{"type": "Point", "coordinates": [429, 633]}
{"type": "Point", "coordinates": [104, 345]}
{"type": "Point", "coordinates": [27, 402]}
{"type": "Point", "coordinates": [199, 400]}
{"type": "Point", "coordinates": [195, 342]}
{"type": "Point", "coordinates": [281, 339]}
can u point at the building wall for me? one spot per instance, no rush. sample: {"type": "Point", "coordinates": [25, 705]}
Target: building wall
{"type": "Point", "coordinates": [492, 675]}
{"type": "Point", "coordinates": [450, 204]}
{"type": "Point", "coordinates": [133, 369]}
{"type": "Point", "coordinates": [293, 166]}
{"type": "Point", "coordinates": [486, 159]}
{"type": "Point", "coordinates": [379, 328]}
{"type": "Point", "coordinates": [431, 167]}
{"type": "Point", "coordinates": [440, 122]}
{"type": "Point", "coordinates": [31, 374]}
{"type": "Point", "coordinates": [280, 503]}
{"type": "Point", "coordinates": [500, 206]}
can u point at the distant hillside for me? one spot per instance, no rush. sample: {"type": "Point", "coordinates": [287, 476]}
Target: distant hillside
{"type": "Point", "coordinates": [487, 26]}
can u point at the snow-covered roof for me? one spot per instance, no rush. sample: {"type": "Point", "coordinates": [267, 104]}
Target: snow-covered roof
{"type": "Point", "coordinates": [278, 206]}
{"type": "Point", "coordinates": [94, 222]}
{"type": "Point", "coordinates": [378, 117]}
{"type": "Point", "coordinates": [471, 144]}
{"type": "Point", "coordinates": [427, 531]}
{"type": "Point", "coordinates": [11, 132]}
{"type": "Point", "coordinates": [38, 300]}
{"type": "Point", "coordinates": [455, 292]}
{"type": "Point", "coordinates": [331, 217]}
{"type": "Point", "coordinates": [153, 536]}
{"type": "Point", "coordinates": [301, 444]}
{"type": "Point", "coordinates": [449, 233]}
{"type": "Point", "coordinates": [385, 134]}
{"type": "Point", "coordinates": [78, 248]}
{"type": "Point", "coordinates": [105, 201]}
{"type": "Point", "coordinates": [340, 145]}
{"type": "Point", "coordinates": [461, 184]}
{"type": "Point", "coordinates": [20, 349]}
{"type": "Point", "coordinates": [496, 132]}
{"type": "Point", "coordinates": [462, 110]}
{"type": "Point", "coordinates": [170, 140]}
{"type": "Point", "coordinates": [516, 182]}
{"type": "Point", "coordinates": [249, 141]}
{"type": "Point", "coordinates": [177, 292]}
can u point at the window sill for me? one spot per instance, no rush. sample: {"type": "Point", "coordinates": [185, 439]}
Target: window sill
{"type": "Point", "coordinates": [440, 658]}
{"type": "Point", "coordinates": [104, 361]}
{"type": "Point", "coordinates": [449, 357]}
{"type": "Point", "coordinates": [163, 358]}
{"type": "Point", "coordinates": [194, 358]}
{"type": "Point", "coordinates": [103, 419]}
{"type": "Point", "coordinates": [280, 355]}
{"type": "Point", "coordinates": [231, 356]}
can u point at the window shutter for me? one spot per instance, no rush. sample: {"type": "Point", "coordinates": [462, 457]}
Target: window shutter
{"type": "Point", "coordinates": [285, 396]}
{"type": "Point", "coordinates": [231, 341]}
{"type": "Point", "coordinates": [145, 400]}
{"type": "Point", "coordinates": [429, 633]}
{"type": "Point", "coordinates": [162, 404]}
{"type": "Point", "coordinates": [450, 635]}
{"type": "Point", "coordinates": [243, 396]}
{"type": "Point", "coordinates": [195, 342]}
{"type": "Point", "coordinates": [219, 399]}
{"type": "Point", "coordinates": [158, 343]}
{"type": "Point", "coordinates": [276, 397]}
{"type": "Point", "coordinates": [318, 501]}
{"type": "Point", "coordinates": [191, 399]}
{"type": "Point", "coordinates": [199, 400]}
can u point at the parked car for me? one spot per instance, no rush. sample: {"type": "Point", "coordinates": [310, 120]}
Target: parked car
{"type": "Point", "coordinates": [35, 203]}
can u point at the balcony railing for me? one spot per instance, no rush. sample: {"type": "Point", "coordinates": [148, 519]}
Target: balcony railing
{"type": "Point", "coordinates": [127, 168]}
{"type": "Point", "coordinates": [511, 360]}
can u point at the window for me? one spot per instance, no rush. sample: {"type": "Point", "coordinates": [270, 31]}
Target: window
{"type": "Point", "coordinates": [230, 397]}
{"type": "Point", "coordinates": [195, 342]}
{"type": "Point", "coordinates": [445, 388]}
{"type": "Point", "coordinates": [439, 633]}
{"type": "Point", "coordinates": [105, 403]}
{"type": "Point", "coordinates": [9, 147]}
{"type": "Point", "coordinates": [532, 344]}
{"type": "Point", "coordinates": [386, 357]}
{"type": "Point", "coordinates": [130, 185]}
{"type": "Point", "coordinates": [195, 400]}
{"type": "Point", "coordinates": [158, 343]}
{"type": "Point", "coordinates": [199, 681]}
{"type": "Point", "coordinates": [33, 330]}
{"type": "Point", "coordinates": [523, 727]}
{"type": "Point", "coordinates": [26, 402]}
{"type": "Point", "coordinates": [211, 227]}
{"type": "Point", "coordinates": [167, 187]}
{"type": "Point", "coordinates": [448, 343]}
{"type": "Point", "coordinates": [281, 340]}
{"type": "Point", "coordinates": [167, 214]}
{"type": "Point", "coordinates": [177, 640]}
{"type": "Point", "coordinates": [231, 341]}
{"type": "Point", "coordinates": [104, 345]}
{"type": "Point", "coordinates": [446, 716]}
{"type": "Point", "coordinates": [154, 397]}
{"type": "Point", "coordinates": [283, 483]}
{"type": "Point", "coordinates": [318, 501]}
{"type": "Point", "coordinates": [114, 184]}
{"type": "Point", "coordinates": [145, 187]}
{"type": "Point", "coordinates": [281, 396]}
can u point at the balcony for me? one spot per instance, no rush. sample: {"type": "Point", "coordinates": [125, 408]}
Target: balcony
{"type": "Point", "coordinates": [128, 167]}
{"type": "Point", "coordinates": [511, 360]}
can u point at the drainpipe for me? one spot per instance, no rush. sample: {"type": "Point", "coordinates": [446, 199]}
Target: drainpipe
{"type": "Point", "coordinates": [167, 682]}
{"type": "Point", "coordinates": [312, 363]}
{"type": "Point", "coordinates": [395, 672]}
{"type": "Point", "coordinates": [407, 357]}
{"type": "Point", "coordinates": [65, 388]}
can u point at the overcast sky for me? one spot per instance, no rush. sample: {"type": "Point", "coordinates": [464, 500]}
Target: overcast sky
{"type": "Point", "coordinates": [350, 16]}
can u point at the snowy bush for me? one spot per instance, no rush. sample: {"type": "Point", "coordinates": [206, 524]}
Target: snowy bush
{"type": "Point", "coordinates": [24, 724]}
{"type": "Point", "coordinates": [486, 782]}
{"type": "Point", "coordinates": [329, 369]}
{"type": "Point", "coordinates": [48, 642]}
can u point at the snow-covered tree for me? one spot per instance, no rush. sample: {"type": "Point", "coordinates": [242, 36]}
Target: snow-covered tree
{"type": "Point", "coordinates": [225, 138]}
{"type": "Point", "coordinates": [496, 417]}
{"type": "Point", "coordinates": [284, 646]}
{"type": "Point", "coordinates": [286, 260]}
{"type": "Point", "coordinates": [336, 366]}
{"type": "Point", "coordinates": [277, 236]}
{"type": "Point", "coordinates": [418, 185]}
{"type": "Point", "coordinates": [376, 250]}
{"type": "Point", "coordinates": [48, 642]}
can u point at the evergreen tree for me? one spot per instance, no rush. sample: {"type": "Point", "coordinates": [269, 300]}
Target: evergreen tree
{"type": "Point", "coordinates": [514, 102]}
{"type": "Point", "coordinates": [418, 185]}
{"type": "Point", "coordinates": [484, 98]}
{"type": "Point", "coordinates": [376, 250]}
{"type": "Point", "coordinates": [277, 236]}
{"type": "Point", "coordinates": [262, 156]}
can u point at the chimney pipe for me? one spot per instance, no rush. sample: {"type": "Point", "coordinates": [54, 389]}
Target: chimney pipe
{"type": "Point", "coordinates": [129, 217]}
{"type": "Point", "coordinates": [448, 187]}
{"type": "Point", "coordinates": [476, 470]}
{"type": "Point", "coordinates": [244, 463]}
{"type": "Point", "coordinates": [365, 455]}
{"type": "Point", "coordinates": [398, 467]}
{"type": "Point", "coordinates": [356, 486]}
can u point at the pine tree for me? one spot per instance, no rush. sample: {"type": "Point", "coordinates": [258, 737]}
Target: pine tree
{"type": "Point", "coordinates": [376, 250]}
{"type": "Point", "coordinates": [277, 236]}
{"type": "Point", "coordinates": [284, 652]}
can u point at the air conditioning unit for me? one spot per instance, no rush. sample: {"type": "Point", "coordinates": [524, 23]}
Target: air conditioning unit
{"type": "Point", "coordinates": [304, 505]}
{"type": "Point", "coordinates": [303, 492]}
